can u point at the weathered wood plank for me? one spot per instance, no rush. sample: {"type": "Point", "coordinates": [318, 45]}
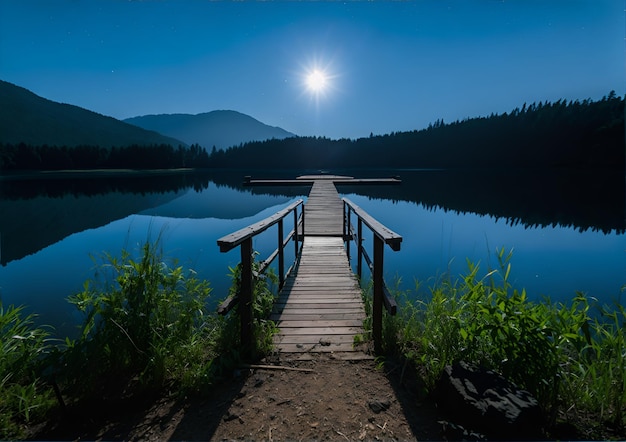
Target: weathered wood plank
{"type": "Point", "coordinates": [299, 323]}
{"type": "Point", "coordinates": [320, 331]}
{"type": "Point", "coordinates": [295, 316]}
{"type": "Point", "coordinates": [320, 309]}
{"type": "Point", "coordinates": [316, 348]}
{"type": "Point", "coordinates": [312, 339]}
{"type": "Point", "coordinates": [293, 310]}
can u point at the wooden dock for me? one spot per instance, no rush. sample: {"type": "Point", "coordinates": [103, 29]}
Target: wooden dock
{"type": "Point", "coordinates": [320, 309]}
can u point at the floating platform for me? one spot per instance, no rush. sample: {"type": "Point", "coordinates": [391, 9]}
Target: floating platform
{"type": "Point", "coordinates": [307, 180]}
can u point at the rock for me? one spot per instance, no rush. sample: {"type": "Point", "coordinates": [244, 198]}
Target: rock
{"type": "Point", "coordinates": [230, 416]}
{"type": "Point", "coordinates": [377, 405]}
{"type": "Point", "coordinates": [485, 401]}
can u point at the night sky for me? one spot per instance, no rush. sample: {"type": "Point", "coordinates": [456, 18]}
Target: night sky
{"type": "Point", "coordinates": [384, 66]}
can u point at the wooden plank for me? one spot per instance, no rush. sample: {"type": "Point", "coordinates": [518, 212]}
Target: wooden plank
{"type": "Point", "coordinates": [321, 331]}
{"type": "Point", "coordinates": [322, 303]}
{"type": "Point", "coordinates": [292, 310]}
{"type": "Point", "coordinates": [316, 348]}
{"type": "Point", "coordinates": [294, 316]}
{"type": "Point", "coordinates": [299, 323]}
{"type": "Point", "coordinates": [311, 339]}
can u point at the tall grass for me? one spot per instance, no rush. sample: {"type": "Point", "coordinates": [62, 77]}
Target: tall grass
{"type": "Point", "coordinates": [263, 293]}
{"type": "Point", "coordinates": [570, 356]}
{"type": "Point", "coordinates": [146, 320]}
{"type": "Point", "coordinates": [24, 397]}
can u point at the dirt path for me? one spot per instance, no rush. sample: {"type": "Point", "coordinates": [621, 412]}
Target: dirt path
{"type": "Point", "coordinates": [323, 399]}
{"type": "Point", "coordinates": [336, 400]}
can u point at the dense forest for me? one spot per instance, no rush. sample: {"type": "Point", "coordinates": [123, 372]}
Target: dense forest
{"type": "Point", "coordinates": [544, 135]}
{"type": "Point", "coordinates": [561, 134]}
{"type": "Point", "coordinates": [163, 156]}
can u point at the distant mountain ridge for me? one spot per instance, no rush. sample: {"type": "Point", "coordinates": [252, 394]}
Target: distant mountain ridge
{"type": "Point", "coordinates": [219, 128]}
{"type": "Point", "coordinates": [28, 118]}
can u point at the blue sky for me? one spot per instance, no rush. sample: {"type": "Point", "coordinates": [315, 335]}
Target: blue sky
{"type": "Point", "coordinates": [390, 66]}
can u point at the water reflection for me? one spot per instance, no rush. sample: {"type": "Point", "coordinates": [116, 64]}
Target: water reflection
{"type": "Point", "coordinates": [567, 228]}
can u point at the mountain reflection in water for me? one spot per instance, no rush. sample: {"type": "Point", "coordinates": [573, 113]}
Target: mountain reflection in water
{"type": "Point", "coordinates": [50, 226]}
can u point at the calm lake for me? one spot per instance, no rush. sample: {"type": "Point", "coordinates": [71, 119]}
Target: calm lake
{"type": "Point", "coordinates": [567, 229]}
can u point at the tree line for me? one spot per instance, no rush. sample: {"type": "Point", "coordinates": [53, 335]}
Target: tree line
{"type": "Point", "coordinates": [561, 134]}
{"type": "Point", "coordinates": [163, 156]}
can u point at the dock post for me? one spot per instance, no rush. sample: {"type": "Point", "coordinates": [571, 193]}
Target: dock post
{"type": "Point", "coordinates": [281, 256]}
{"type": "Point", "coordinates": [245, 296]}
{"type": "Point", "coordinates": [359, 248]}
{"type": "Point", "coordinates": [377, 301]}
{"type": "Point", "coordinates": [346, 229]}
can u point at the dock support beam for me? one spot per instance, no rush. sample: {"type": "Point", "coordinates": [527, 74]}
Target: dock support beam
{"type": "Point", "coordinates": [377, 304]}
{"type": "Point", "coordinates": [245, 296]}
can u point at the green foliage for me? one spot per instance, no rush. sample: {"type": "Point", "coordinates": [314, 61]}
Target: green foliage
{"type": "Point", "coordinates": [24, 398]}
{"type": "Point", "coordinates": [262, 303]}
{"type": "Point", "coordinates": [146, 321]}
{"type": "Point", "coordinates": [571, 360]}
{"type": "Point", "coordinates": [597, 377]}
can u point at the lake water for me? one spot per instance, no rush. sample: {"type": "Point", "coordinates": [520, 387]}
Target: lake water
{"type": "Point", "coordinates": [567, 231]}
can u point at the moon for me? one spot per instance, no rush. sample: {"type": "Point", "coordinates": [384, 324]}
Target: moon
{"type": "Point", "coordinates": [317, 81]}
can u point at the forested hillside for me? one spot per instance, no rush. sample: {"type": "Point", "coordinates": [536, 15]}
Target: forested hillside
{"type": "Point", "coordinates": [561, 134]}
{"type": "Point", "coordinates": [587, 134]}
{"type": "Point", "coordinates": [36, 121]}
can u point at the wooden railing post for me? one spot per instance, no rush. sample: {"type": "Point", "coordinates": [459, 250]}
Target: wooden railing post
{"type": "Point", "coordinates": [359, 247]}
{"type": "Point", "coordinates": [245, 296]}
{"type": "Point", "coordinates": [295, 231]}
{"type": "Point", "coordinates": [303, 222]}
{"type": "Point", "coordinates": [377, 302]}
{"type": "Point", "coordinates": [281, 255]}
{"type": "Point", "coordinates": [347, 231]}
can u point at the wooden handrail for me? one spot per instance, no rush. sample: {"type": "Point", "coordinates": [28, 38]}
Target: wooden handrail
{"type": "Point", "coordinates": [382, 235]}
{"type": "Point", "coordinates": [234, 239]}
{"type": "Point", "coordinates": [243, 238]}
{"type": "Point", "coordinates": [389, 237]}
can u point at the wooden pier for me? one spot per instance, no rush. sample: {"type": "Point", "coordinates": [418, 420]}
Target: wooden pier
{"type": "Point", "coordinates": [319, 308]}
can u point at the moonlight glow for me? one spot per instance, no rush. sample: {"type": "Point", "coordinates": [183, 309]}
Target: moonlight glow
{"type": "Point", "coordinates": [316, 81]}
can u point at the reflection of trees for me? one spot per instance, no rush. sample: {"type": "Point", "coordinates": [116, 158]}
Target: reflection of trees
{"type": "Point", "coordinates": [581, 199]}
{"type": "Point", "coordinates": [574, 198]}
{"type": "Point", "coordinates": [92, 184]}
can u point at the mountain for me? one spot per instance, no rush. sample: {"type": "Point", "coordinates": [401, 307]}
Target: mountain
{"type": "Point", "coordinates": [28, 118]}
{"type": "Point", "coordinates": [220, 128]}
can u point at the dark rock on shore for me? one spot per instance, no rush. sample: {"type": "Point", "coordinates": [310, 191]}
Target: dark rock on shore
{"type": "Point", "coordinates": [487, 402]}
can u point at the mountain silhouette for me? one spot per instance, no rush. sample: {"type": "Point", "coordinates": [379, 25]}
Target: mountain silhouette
{"type": "Point", "coordinates": [28, 118]}
{"type": "Point", "coordinates": [220, 128]}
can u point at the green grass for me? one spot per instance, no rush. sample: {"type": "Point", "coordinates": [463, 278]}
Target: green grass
{"type": "Point", "coordinates": [264, 289]}
{"type": "Point", "coordinates": [146, 322]}
{"type": "Point", "coordinates": [571, 356]}
{"type": "Point", "coordinates": [24, 397]}
{"type": "Point", "coordinates": [145, 319]}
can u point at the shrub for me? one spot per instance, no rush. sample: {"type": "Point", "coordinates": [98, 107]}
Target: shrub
{"type": "Point", "coordinates": [571, 360]}
{"type": "Point", "coordinates": [147, 321]}
{"type": "Point", "coordinates": [24, 398]}
{"type": "Point", "coordinates": [264, 285]}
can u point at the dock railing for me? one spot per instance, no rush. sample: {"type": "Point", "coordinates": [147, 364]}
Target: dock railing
{"type": "Point", "coordinates": [243, 238]}
{"type": "Point", "coordinates": [382, 236]}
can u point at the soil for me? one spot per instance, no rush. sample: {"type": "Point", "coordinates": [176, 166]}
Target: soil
{"type": "Point", "coordinates": [321, 399]}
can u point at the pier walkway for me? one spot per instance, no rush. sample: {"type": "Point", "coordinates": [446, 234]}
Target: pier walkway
{"type": "Point", "coordinates": [319, 308]}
